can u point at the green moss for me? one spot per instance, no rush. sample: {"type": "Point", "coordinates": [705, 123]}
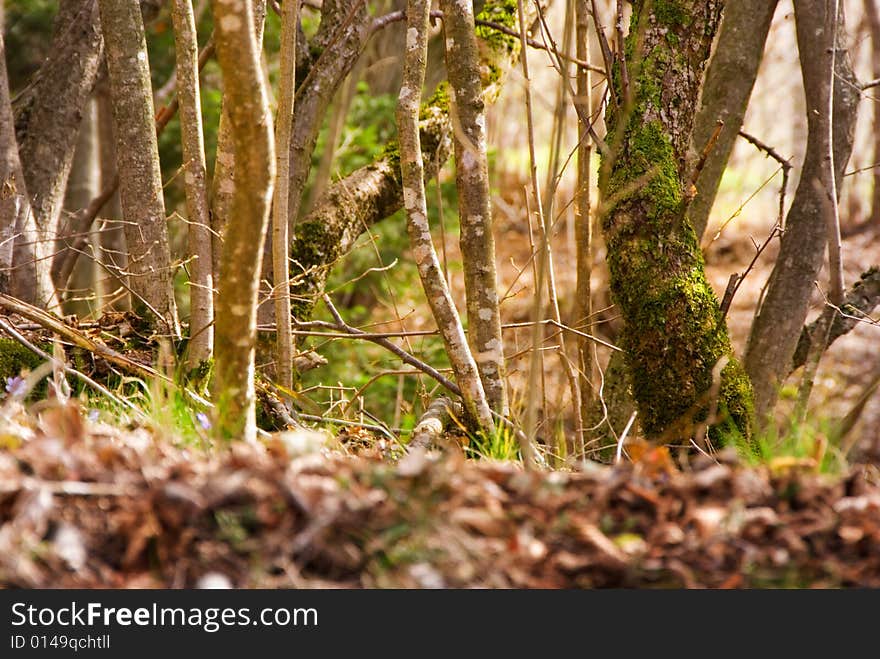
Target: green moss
{"type": "Point", "coordinates": [15, 359]}
{"type": "Point", "coordinates": [674, 333]}
{"type": "Point", "coordinates": [504, 13]}
{"type": "Point", "coordinates": [670, 12]}
{"type": "Point", "coordinates": [315, 245]}
{"type": "Point", "coordinates": [438, 101]}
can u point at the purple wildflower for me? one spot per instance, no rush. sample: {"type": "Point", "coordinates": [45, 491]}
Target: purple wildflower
{"type": "Point", "coordinates": [203, 420]}
{"type": "Point", "coordinates": [16, 386]}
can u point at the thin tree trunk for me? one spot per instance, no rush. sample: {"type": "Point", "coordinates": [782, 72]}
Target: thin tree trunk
{"type": "Point", "coordinates": [14, 204]}
{"type": "Point", "coordinates": [412, 171]}
{"type": "Point", "coordinates": [583, 217]}
{"type": "Point", "coordinates": [826, 50]}
{"type": "Point", "coordinates": [872, 13]}
{"type": "Point", "coordinates": [223, 183]}
{"type": "Point", "coordinates": [674, 333]}
{"type": "Point", "coordinates": [140, 179]}
{"type": "Point", "coordinates": [341, 107]}
{"type": "Point", "coordinates": [280, 240]}
{"type": "Point", "coordinates": [250, 123]}
{"type": "Point", "coordinates": [47, 123]}
{"type": "Point", "coordinates": [730, 78]}
{"type": "Point", "coordinates": [83, 185]}
{"type": "Point", "coordinates": [777, 327]}
{"type": "Point", "coordinates": [201, 285]}
{"type": "Point", "coordinates": [475, 210]}
{"type": "Point", "coordinates": [113, 253]}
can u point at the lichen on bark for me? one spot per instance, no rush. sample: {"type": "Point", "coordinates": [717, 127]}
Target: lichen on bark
{"type": "Point", "coordinates": [674, 333]}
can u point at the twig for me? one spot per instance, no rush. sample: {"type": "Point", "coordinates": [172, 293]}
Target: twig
{"type": "Point", "coordinates": [736, 280]}
{"type": "Point", "coordinates": [400, 15]}
{"type": "Point", "coordinates": [351, 424]}
{"type": "Point", "coordinates": [622, 439]}
{"type": "Point", "coordinates": [704, 155]}
{"type": "Point", "coordinates": [783, 162]}
{"type": "Point", "coordinates": [621, 57]}
{"type": "Point", "coordinates": [388, 345]}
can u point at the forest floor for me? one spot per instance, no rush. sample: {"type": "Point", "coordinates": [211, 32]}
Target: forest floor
{"type": "Point", "coordinates": [85, 504]}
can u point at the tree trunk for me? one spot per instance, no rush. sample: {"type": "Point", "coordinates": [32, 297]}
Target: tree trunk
{"type": "Point", "coordinates": [14, 205]}
{"type": "Point", "coordinates": [777, 327]}
{"type": "Point", "coordinates": [674, 333]}
{"type": "Point", "coordinates": [280, 240]}
{"type": "Point", "coordinates": [730, 78]}
{"type": "Point", "coordinates": [250, 123]}
{"type": "Point", "coordinates": [83, 185]}
{"type": "Point", "coordinates": [872, 13]}
{"type": "Point", "coordinates": [201, 284]}
{"type": "Point", "coordinates": [114, 256]}
{"type": "Point", "coordinates": [222, 183]}
{"type": "Point", "coordinates": [583, 217]}
{"type": "Point", "coordinates": [474, 208]}
{"type": "Point", "coordinates": [47, 122]}
{"type": "Point", "coordinates": [412, 172]}
{"type": "Point", "coordinates": [140, 179]}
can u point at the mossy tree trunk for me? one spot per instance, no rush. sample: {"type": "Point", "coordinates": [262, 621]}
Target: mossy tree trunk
{"type": "Point", "coordinates": [674, 334]}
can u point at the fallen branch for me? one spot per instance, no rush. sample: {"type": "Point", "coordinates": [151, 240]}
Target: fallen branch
{"type": "Point", "coordinates": [51, 323]}
{"type": "Point", "coordinates": [7, 327]}
{"type": "Point", "coordinates": [431, 424]}
{"type": "Point", "coordinates": [858, 302]}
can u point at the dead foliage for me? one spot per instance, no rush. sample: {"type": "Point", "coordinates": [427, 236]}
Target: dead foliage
{"type": "Point", "coordinates": [84, 504]}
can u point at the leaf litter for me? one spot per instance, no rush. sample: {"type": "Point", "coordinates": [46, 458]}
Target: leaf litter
{"type": "Point", "coordinates": [84, 504]}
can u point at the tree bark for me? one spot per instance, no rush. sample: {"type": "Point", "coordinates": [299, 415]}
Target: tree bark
{"type": "Point", "coordinates": [777, 326]}
{"type": "Point", "coordinates": [412, 171]}
{"type": "Point", "coordinates": [113, 254]}
{"type": "Point", "coordinates": [250, 123]}
{"type": "Point", "coordinates": [222, 183]}
{"type": "Point", "coordinates": [730, 77]}
{"type": "Point", "coordinates": [83, 185]}
{"type": "Point", "coordinates": [140, 179]}
{"type": "Point", "coordinates": [583, 216]}
{"type": "Point", "coordinates": [674, 333]}
{"type": "Point", "coordinates": [201, 284]}
{"type": "Point", "coordinates": [474, 207]}
{"type": "Point", "coordinates": [280, 240]}
{"type": "Point", "coordinates": [872, 13]}
{"type": "Point", "coordinates": [14, 204]}
{"type": "Point", "coordinates": [47, 122]}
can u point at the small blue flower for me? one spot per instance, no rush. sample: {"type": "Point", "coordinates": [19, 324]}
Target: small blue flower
{"type": "Point", "coordinates": [93, 416]}
{"type": "Point", "coordinates": [16, 386]}
{"type": "Point", "coordinates": [203, 420]}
